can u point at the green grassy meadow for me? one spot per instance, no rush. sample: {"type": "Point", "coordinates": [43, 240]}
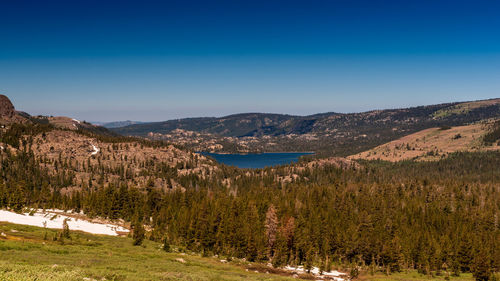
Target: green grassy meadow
{"type": "Point", "coordinates": [29, 253]}
{"type": "Point", "coordinates": [25, 255]}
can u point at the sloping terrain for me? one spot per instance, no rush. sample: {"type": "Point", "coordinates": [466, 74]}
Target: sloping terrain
{"type": "Point", "coordinates": [26, 255]}
{"type": "Point", "coordinates": [87, 158]}
{"type": "Point", "coordinates": [79, 155]}
{"type": "Point", "coordinates": [464, 108]}
{"type": "Point", "coordinates": [327, 134]}
{"type": "Point", "coordinates": [29, 253]}
{"type": "Point", "coordinates": [67, 123]}
{"type": "Point", "coordinates": [432, 144]}
{"type": "Point", "coordinates": [55, 219]}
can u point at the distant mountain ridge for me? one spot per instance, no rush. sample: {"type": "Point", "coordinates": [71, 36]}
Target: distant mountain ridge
{"type": "Point", "coordinates": [334, 133]}
{"type": "Point", "coordinates": [242, 124]}
{"type": "Point", "coordinates": [251, 124]}
{"type": "Point", "coordinates": [117, 124]}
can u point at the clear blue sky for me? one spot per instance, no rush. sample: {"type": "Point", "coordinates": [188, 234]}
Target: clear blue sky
{"type": "Point", "coordinates": [159, 60]}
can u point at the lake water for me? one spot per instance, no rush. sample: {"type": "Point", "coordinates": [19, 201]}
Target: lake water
{"type": "Point", "coordinates": [257, 160]}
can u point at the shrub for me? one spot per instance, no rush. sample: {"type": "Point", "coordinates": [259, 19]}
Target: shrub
{"type": "Point", "coordinates": [166, 245]}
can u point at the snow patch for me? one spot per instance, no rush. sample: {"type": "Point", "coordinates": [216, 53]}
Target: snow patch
{"type": "Point", "coordinates": [53, 220]}
{"type": "Point", "coordinates": [331, 275]}
{"type": "Point", "coordinates": [96, 149]}
{"type": "Point", "coordinates": [77, 121]}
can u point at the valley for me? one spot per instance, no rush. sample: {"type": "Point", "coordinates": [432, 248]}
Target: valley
{"type": "Point", "coordinates": [421, 206]}
{"type": "Point", "coordinates": [250, 140]}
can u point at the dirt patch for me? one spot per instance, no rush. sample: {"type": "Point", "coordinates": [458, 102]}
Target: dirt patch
{"type": "Point", "coordinates": [431, 144]}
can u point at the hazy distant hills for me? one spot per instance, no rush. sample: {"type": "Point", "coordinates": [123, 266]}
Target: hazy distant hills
{"type": "Point", "coordinates": [117, 124]}
{"type": "Point", "coordinates": [330, 133]}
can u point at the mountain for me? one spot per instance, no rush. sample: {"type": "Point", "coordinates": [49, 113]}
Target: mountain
{"type": "Point", "coordinates": [117, 124]}
{"type": "Point", "coordinates": [326, 133]}
{"type": "Point", "coordinates": [237, 125]}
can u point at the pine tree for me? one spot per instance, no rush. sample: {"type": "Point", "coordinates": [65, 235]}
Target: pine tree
{"type": "Point", "coordinates": [309, 258]}
{"type": "Point", "coordinates": [271, 228]}
{"type": "Point", "coordinates": [281, 254]}
{"type": "Point", "coordinates": [65, 231]}
{"type": "Point", "coordinates": [138, 233]}
{"type": "Point", "coordinates": [253, 231]}
{"type": "Point", "coordinates": [464, 256]}
{"type": "Point", "coordinates": [481, 268]}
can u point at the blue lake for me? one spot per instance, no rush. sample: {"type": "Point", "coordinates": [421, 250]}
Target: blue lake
{"type": "Point", "coordinates": [257, 160]}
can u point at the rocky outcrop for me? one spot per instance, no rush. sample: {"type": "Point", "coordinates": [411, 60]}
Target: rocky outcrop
{"type": "Point", "coordinates": [8, 113]}
{"type": "Point", "coordinates": [6, 107]}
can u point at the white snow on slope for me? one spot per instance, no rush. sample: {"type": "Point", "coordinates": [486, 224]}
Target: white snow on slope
{"type": "Point", "coordinates": [331, 275]}
{"type": "Point", "coordinates": [39, 218]}
{"type": "Point", "coordinates": [77, 121]}
{"type": "Point", "coordinates": [96, 149]}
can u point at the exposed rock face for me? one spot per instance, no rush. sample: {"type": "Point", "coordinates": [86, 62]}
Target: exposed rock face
{"type": "Point", "coordinates": [8, 113]}
{"type": "Point", "coordinates": [6, 107]}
